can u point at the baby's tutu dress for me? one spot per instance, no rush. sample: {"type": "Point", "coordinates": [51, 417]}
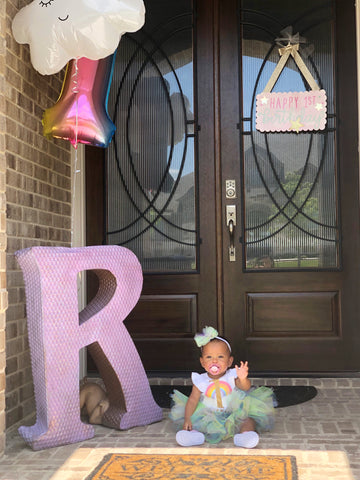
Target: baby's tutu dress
{"type": "Point", "coordinates": [223, 407]}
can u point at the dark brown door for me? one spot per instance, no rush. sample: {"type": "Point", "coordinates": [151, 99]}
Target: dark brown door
{"type": "Point", "coordinates": [254, 233]}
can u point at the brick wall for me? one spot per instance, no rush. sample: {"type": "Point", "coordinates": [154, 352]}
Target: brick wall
{"type": "Point", "coordinates": [38, 196]}
{"type": "Point", "coordinates": [3, 293]}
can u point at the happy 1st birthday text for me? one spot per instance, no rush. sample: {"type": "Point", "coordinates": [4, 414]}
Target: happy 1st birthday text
{"type": "Point", "coordinates": [291, 111]}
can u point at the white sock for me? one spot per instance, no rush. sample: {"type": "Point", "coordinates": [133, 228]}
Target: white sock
{"type": "Point", "coordinates": [187, 438]}
{"type": "Point", "coordinates": [246, 439]}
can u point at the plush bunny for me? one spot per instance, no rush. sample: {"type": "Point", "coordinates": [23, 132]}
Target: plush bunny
{"type": "Point", "coordinates": [94, 401]}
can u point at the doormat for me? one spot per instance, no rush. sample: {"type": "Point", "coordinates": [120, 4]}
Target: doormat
{"type": "Point", "coordinates": [116, 466]}
{"type": "Point", "coordinates": [285, 395]}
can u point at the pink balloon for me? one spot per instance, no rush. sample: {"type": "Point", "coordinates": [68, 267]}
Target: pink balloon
{"type": "Point", "coordinates": [80, 114]}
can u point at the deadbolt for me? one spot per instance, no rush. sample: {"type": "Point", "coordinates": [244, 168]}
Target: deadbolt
{"type": "Point", "coordinates": [230, 188]}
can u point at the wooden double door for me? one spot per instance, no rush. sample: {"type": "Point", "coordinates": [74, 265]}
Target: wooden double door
{"type": "Point", "coordinates": [255, 233]}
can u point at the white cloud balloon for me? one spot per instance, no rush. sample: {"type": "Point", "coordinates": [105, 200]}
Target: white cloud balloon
{"type": "Point", "coordinates": [60, 30]}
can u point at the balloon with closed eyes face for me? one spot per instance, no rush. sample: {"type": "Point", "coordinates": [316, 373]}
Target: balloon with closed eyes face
{"type": "Point", "coordinates": [83, 34]}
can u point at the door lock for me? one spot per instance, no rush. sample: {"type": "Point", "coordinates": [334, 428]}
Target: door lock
{"type": "Point", "coordinates": [230, 188]}
{"type": "Point", "coordinates": [231, 222]}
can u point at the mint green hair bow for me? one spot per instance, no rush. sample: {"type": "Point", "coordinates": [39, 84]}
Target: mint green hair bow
{"type": "Point", "coordinates": [204, 338]}
{"type": "Point", "coordinates": [208, 334]}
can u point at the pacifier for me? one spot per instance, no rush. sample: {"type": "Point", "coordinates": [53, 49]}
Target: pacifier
{"type": "Point", "coordinates": [214, 369]}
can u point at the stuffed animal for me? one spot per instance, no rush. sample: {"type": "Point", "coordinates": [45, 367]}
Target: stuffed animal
{"type": "Point", "coordinates": [94, 402]}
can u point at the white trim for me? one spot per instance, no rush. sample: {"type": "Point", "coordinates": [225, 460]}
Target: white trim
{"type": "Point", "coordinates": [78, 228]}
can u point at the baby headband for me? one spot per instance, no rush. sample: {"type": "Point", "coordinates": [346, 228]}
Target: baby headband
{"type": "Point", "coordinates": [208, 333]}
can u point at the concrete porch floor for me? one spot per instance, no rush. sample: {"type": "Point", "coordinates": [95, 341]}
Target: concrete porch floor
{"type": "Point", "coordinates": [323, 434]}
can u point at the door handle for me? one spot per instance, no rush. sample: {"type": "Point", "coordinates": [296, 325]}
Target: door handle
{"type": "Point", "coordinates": [231, 227]}
{"type": "Point", "coordinates": [231, 222]}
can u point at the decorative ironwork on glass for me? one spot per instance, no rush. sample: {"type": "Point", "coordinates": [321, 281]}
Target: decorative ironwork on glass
{"type": "Point", "coordinates": [290, 179]}
{"type": "Point", "coordinates": [151, 162]}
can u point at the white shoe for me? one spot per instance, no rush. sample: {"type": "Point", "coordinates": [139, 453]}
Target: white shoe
{"type": "Point", "coordinates": [191, 438]}
{"type": "Point", "coordinates": [246, 439]}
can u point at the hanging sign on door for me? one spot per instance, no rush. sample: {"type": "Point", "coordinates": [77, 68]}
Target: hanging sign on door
{"type": "Point", "coordinates": [291, 111]}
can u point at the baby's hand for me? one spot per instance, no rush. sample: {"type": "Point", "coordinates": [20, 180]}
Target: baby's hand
{"type": "Point", "coordinates": [187, 426]}
{"type": "Point", "coordinates": [242, 371]}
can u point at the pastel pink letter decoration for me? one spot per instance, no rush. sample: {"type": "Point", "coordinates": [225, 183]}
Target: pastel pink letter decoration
{"type": "Point", "coordinates": [57, 332]}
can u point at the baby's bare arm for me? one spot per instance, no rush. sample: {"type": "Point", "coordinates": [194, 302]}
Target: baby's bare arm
{"type": "Point", "coordinates": [190, 407]}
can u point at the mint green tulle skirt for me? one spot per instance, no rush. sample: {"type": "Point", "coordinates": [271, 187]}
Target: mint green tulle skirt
{"type": "Point", "coordinates": [257, 403]}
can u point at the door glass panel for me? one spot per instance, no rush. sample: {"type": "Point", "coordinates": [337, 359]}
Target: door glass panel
{"type": "Point", "coordinates": [151, 160]}
{"type": "Point", "coordinates": [289, 179]}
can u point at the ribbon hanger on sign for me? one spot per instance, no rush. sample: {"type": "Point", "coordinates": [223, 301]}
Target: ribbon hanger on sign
{"type": "Point", "coordinates": [292, 48]}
